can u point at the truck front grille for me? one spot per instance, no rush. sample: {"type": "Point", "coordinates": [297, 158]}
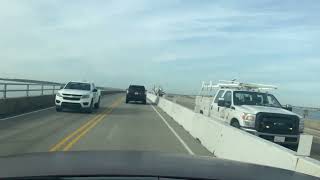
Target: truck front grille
{"type": "Point", "coordinates": [277, 123]}
{"type": "Point", "coordinates": [71, 98]}
{"type": "Point", "coordinates": [71, 105]}
{"type": "Point", "coordinates": [74, 95]}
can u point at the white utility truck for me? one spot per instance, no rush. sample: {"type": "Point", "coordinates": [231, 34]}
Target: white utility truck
{"type": "Point", "coordinates": [252, 108]}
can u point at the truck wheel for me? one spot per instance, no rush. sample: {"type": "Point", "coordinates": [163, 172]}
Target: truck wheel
{"type": "Point", "coordinates": [235, 124]}
{"type": "Point", "coordinates": [127, 101]}
{"type": "Point", "coordinates": [90, 109]}
{"type": "Point", "coordinates": [97, 105]}
{"type": "Point", "coordinates": [58, 109]}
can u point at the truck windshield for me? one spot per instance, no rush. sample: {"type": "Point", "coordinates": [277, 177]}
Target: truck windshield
{"type": "Point", "coordinates": [78, 86]}
{"type": "Point", "coordinates": [255, 98]}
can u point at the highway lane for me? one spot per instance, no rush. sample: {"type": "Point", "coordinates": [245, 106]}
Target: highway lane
{"type": "Point", "coordinates": [189, 102]}
{"type": "Point", "coordinates": [115, 126]}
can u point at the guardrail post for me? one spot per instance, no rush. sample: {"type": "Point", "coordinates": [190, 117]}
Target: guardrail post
{"type": "Point", "coordinates": [28, 90]}
{"type": "Point", "coordinates": [41, 89]}
{"type": "Point", "coordinates": [5, 91]}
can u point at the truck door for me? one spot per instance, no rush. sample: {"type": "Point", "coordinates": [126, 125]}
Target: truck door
{"type": "Point", "coordinates": [224, 111]}
{"type": "Point", "coordinates": [214, 109]}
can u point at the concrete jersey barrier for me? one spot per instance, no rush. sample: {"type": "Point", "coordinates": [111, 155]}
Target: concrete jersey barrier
{"type": "Point", "coordinates": [228, 142]}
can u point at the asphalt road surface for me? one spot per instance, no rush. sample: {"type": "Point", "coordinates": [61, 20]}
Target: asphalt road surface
{"type": "Point", "coordinates": [189, 102]}
{"type": "Point", "coordinates": [115, 126]}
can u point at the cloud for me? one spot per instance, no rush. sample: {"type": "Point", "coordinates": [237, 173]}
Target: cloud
{"type": "Point", "coordinates": [174, 43]}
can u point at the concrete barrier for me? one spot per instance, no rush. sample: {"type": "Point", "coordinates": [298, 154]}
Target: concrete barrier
{"type": "Point", "coordinates": [230, 143]}
{"type": "Point", "coordinates": [20, 105]}
{"type": "Point", "coordinates": [14, 106]}
{"type": "Point", "coordinates": [308, 166]}
{"type": "Point", "coordinates": [153, 98]}
{"type": "Point", "coordinates": [312, 124]}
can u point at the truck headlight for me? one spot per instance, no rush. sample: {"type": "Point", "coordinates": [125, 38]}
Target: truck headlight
{"type": "Point", "coordinates": [85, 96]}
{"type": "Point", "coordinates": [249, 117]}
{"type": "Point", "coordinates": [59, 94]}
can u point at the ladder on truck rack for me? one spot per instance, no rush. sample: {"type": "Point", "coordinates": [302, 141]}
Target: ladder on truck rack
{"type": "Point", "coordinates": [223, 84]}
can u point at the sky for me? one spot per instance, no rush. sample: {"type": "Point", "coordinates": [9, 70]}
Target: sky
{"type": "Point", "coordinates": [173, 43]}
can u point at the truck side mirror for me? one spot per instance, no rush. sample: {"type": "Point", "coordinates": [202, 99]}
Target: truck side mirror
{"type": "Point", "coordinates": [95, 90]}
{"type": "Point", "coordinates": [287, 107]}
{"type": "Point", "coordinates": [221, 102]}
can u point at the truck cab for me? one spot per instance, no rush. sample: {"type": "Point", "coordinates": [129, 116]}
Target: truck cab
{"type": "Point", "coordinates": [252, 108]}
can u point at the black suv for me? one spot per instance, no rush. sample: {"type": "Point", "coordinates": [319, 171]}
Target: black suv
{"type": "Point", "coordinates": [136, 93]}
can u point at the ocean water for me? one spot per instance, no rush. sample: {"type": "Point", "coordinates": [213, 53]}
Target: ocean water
{"type": "Point", "coordinates": [312, 115]}
{"type": "Point", "coordinates": [24, 93]}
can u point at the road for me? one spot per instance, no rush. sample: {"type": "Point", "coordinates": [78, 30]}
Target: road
{"type": "Point", "coordinates": [189, 102]}
{"type": "Point", "coordinates": [115, 126]}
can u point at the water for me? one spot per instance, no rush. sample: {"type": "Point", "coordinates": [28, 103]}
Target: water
{"type": "Point", "coordinates": [24, 87]}
{"type": "Point", "coordinates": [312, 115]}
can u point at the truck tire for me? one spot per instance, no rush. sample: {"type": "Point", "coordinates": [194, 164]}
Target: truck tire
{"type": "Point", "coordinates": [235, 123]}
{"type": "Point", "coordinates": [127, 101]}
{"type": "Point", "coordinates": [90, 109]}
{"type": "Point", "coordinates": [58, 109]}
{"type": "Point", "coordinates": [97, 105]}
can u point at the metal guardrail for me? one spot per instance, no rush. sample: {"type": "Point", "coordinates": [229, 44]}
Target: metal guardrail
{"type": "Point", "coordinates": [27, 87]}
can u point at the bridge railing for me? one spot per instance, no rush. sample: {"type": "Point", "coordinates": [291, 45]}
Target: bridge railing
{"type": "Point", "coordinates": [8, 90]}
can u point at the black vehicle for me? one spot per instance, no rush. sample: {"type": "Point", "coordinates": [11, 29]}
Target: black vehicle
{"type": "Point", "coordinates": [136, 93]}
{"type": "Point", "coordinates": [133, 165]}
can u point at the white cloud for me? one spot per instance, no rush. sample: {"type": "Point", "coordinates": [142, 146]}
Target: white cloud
{"type": "Point", "coordinates": [120, 41]}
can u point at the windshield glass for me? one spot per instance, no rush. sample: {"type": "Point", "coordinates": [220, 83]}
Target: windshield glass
{"type": "Point", "coordinates": [167, 76]}
{"type": "Point", "coordinates": [78, 86]}
{"type": "Point", "coordinates": [255, 98]}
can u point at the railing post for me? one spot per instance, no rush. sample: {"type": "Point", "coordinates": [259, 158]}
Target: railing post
{"type": "Point", "coordinates": [53, 89]}
{"type": "Point", "coordinates": [4, 91]}
{"type": "Point", "coordinates": [28, 90]}
{"type": "Point", "coordinates": [42, 89]}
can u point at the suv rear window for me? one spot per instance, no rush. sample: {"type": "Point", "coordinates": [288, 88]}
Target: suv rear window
{"type": "Point", "coordinates": [136, 88]}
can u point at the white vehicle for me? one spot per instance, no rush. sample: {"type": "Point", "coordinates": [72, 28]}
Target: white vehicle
{"type": "Point", "coordinates": [252, 108]}
{"type": "Point", "coordinates": [78, 95]}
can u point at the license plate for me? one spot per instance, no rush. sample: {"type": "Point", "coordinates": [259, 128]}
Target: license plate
{"type": "Point", "coordinates": [136, 93]}
{"type": "Point", "coordinates": [279, 139]}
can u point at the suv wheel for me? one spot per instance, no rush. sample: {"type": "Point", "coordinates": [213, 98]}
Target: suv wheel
{"type": "Point", "coordinates": [90, 109]}
{"type": "Point", "coordinates": [97, 105]}
{"type": "Point", "coordinates": [58, 109]}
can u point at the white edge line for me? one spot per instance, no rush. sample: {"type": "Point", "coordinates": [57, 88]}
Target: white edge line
{"type": "Point", "coordinates": [174, 132]}
{"type": "Point", "coordinates": [26, 113]}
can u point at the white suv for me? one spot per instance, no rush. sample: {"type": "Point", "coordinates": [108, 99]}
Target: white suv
{"type": "Point", "coordinates": [78, 95]}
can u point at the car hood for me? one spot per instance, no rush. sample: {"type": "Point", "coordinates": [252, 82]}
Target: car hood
{"type": "Point", "coordinates": [74, 91]}
{"type": "Point", "coordinates": [136, 164]}
{"type": "Point", "coordinates": [257, 109]}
